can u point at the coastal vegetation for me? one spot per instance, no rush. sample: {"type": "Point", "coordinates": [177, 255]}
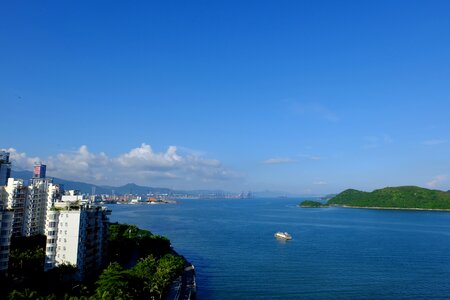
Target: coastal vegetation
{"type": "Point", "coordinates": [312, 204]}
{"type": "Point", "coordinates": [404, 197]}
{"type": "Point", "coordinates": [140, 265]}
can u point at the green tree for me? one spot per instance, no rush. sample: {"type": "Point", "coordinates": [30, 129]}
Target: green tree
{"type": "Point", "coordinates": [168, 267]}
{"type": "Point", "coordinates": [145, 270]}
{"type": "Point", "coordinates": [116, 282]}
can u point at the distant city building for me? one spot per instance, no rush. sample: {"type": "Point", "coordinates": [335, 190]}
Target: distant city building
{"type": "Point", "coordinates": [39, 170]}
{"type": "Point", "coordinates": [5, 167]}
{"type": "Point", "coordinates": [73, 196]}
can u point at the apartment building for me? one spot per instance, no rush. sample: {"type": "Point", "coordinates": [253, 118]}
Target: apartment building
{"type": "Point", "coordinates": [77, 235]}
{"type": "Point", "coordinates": [6, 220]}
{"type": "Point", "coordinates": [76, 230]}
{"type": "Point", "coordinates": [15, 198]}
{"type": "Point", "coordinates": [42, 194]}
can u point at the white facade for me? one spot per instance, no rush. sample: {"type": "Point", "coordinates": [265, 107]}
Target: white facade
{"type": "Point", "coordinates": [79, 238]}
{"type": "Point", "coordinates": [73, 198]}
{"type": "Point", "coordinates": [42, 194]}
{"type": "Point", "coordinates": [16, 195]}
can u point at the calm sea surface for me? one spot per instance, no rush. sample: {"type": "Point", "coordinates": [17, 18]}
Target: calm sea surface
{"type": "Point", "coordinates": [336, 253]}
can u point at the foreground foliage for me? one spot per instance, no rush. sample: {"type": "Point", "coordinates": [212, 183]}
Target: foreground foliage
{"type": "Point", "coordinates": [128, 242]}
{"type": "Point", "coordinates": [148, 278]}
{"type": "Point", "coordinates": [141, 266]}
{"type": "Point", "coordinates": [394, 197]}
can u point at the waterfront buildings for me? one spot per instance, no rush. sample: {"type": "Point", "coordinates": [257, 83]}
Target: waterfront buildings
{"type": "Point", "coordinates": [76, 231]}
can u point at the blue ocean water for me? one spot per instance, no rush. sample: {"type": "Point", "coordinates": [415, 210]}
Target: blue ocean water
{"type": "Point", "coordinates": [335, 253]}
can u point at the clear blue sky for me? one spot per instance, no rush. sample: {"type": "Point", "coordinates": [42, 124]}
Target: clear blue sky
{"type": "Point", "coordinates": [308, 97]}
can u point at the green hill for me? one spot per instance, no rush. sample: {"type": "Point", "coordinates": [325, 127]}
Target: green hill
{"type": "Point", "coordinates": [394, 197]}
{"type": "Point", "coordinates": [312, 204]}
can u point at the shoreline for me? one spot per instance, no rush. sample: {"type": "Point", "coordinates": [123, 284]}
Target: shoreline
{"type": "Point", "coordinates": [393, 208]}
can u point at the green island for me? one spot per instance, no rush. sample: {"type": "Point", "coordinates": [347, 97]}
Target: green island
{"type": "Point", "coordinates": [311, 204]}
{"type": "Point", "coordinates": [139, 265]}
{"type": "Point", "coordinates": [403, 197]}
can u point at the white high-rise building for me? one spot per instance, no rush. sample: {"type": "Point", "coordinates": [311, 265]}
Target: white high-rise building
{"type": "Point", "coordinates": [42, 194]}
{"type": "Point", "coordinates": [16, 196]}
{"type": "Point", "coordinates": [76, 235]}
{"type": "Point", "coordinates": [6, 219]}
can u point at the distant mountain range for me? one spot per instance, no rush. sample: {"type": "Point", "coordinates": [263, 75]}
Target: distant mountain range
{"type": "Point", "coordinates": [132, 188]}
{"type": "Point", "coordinates": [276, 194]}
{"type": "Point", "coordinates": [84, 187]}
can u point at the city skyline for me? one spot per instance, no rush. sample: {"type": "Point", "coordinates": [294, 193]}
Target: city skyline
{"type": "Point", "coordinates": [301, 97]}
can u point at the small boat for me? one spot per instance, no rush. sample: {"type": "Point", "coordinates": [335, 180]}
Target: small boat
{"type": "Point", "coordinates": [283, 235]}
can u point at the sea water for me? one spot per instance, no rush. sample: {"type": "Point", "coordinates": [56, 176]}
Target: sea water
{"type": "Point", "coordinates": [335, 253]}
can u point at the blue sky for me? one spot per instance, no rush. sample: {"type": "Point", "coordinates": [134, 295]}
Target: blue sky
{"type": "Point", "coordinates": [307, 97]}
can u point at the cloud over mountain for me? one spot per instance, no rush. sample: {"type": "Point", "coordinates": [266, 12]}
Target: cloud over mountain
{"type": "Point", "coordinates": [140, 165]}
{"type": "Point", "coordinates": [436, 181]}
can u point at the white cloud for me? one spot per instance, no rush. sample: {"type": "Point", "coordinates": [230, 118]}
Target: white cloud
{"type": "Point", "coordinates": [22, 160]}
{"type": "Point", "coordinates": [279, 160]}
{"type": "Point", "coordinates": [144, 157]}
{"type": "Point", "coordinates": [436, 181]}
{"type": "Point", "coordinates": [141, 165]}
{"type": "Point", "coordinates": [434, 142]}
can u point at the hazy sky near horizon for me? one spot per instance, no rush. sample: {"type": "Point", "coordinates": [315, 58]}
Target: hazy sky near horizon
{"type": "Point", "coordinates": [308, 97]}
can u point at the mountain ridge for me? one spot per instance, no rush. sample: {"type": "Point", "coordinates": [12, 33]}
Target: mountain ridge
{"type": "Point", "coordinates": [407, 197]}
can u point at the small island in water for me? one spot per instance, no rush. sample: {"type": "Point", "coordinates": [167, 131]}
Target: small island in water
{"type": "Point", "coordinates": [311, 204]}
{"type": "Point", "coordinates": [403, 197]}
